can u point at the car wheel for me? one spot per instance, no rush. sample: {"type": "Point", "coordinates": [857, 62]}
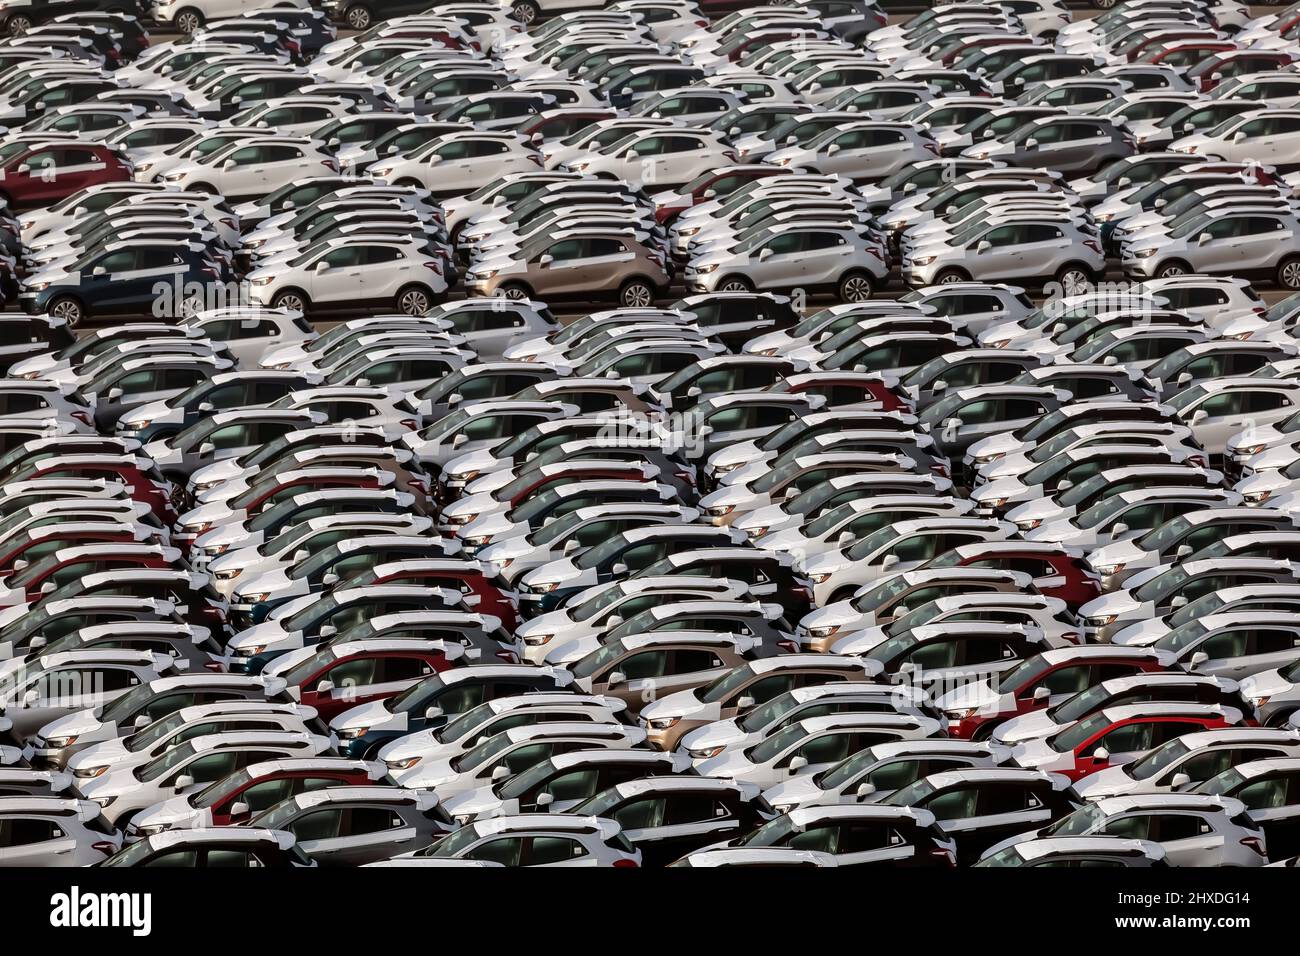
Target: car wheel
{"type": "Point", "coordinates": [203, 188]}
{"type": "Point", "coordinates": [19, 24]}
{"type": "Point", "coordinates": [1288, 273]}
{"type": "Point", "coordinates": [735, 284]}
{"type": "Point", "coordinates": [1170, 269]}
{"type": "Point", "coordinates": [525, 11]}
{"type": "Point", "coordinates": [514, 290]}
{"type": "Point", "coordinates": [188, 20]}
{"type": "Point", "coordinates": [856, 287]}
{"type": "Point", "coordinates": [1074, 279]}
{"type": "Point", "coordinates": [949, 276]}
{"type": "Point", "coordinates": [290, 299]}
{"type": "Point", "coordinates": [636, 294]}
{"type": "Point", "coordinates": [414, 300]}
{"type": "Point", "coordinates": [358, 16]}
{"type": "Point", "coordinates": [1104, 4]}
{"type": "Point", "coordinates": [409, 183]}
{"type": "Point", "coordinates": [67, 308]}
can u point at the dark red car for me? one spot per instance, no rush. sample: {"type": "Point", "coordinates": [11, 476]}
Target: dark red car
{"type": "Point", "coordinates": [1209, 72]}
{"type": "Point", "coordinates": [28, 586]}
{"type": "Point", "coordinates": [341, 676]}
{"type": "Point", "coordinates": [975, 710]}
{"type": "Point", "coordinates": [137, 475]}
{"type": "Point", "coordinates": [31, 544]}
{"type": "Point", "coordinates": [708, 186]}
{"type": "Point", "coordinates": [479, 593]}
{"type": "Point", "coordinates": [258, 786]}
{"type": "Point", "coordinates": [45, 173]}
{"type": "Point", "coordinates": [1056, 570]}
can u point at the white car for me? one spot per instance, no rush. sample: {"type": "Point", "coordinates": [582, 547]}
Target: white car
{"type": "Point", "coordinates": [251, 167]}
{"type": "Point", "coordinates": [459, 163]}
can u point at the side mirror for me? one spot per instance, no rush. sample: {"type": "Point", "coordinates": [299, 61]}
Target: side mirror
{"type": "Point", "coordinates": [141, 721]}
{"type": "Point", "coordinates": [206, 449]}
{"type": "Point", "coordinates": [545, 260]}
{"type": "Point", "coordinates": [184, 782]}
{"type": "Point", "coordinates": [500, 773]}
{"type": "Point", "coordinates": [845, 539]}
{"type": "Point", "coordinates": [322, 266]}
{"type": "Point", "coordinates": [744, 702]}
{"type": "Point", "coordinates": [940, 386]}
{"type": "Point", "coordinates": [1238, 136]}
{"type": "Point", "coordinates": [1183, 378]}
{"type": "Point", "coordinates": [798, 763]}
{"type": "Point", "coordinates": [1182, 551]}
{"type": "Point", "coordinates": [1123, 181]}
{"type": "Point", "coordinates": [709, 194]}
{"type": "Point", "coordinates": [1180, 780]}
{"type": "Point", "coordinates": [1119, 528]}
{"type": "Point", "coordinates": [764, 253]}
{"type": "Point", "coordinates": [239, 809]}
{"type": "Point", "coordinates": [21, 564]}
{"type": "Point", "coordinates": [330, 579]}
{"type": "Point", "coordinates": [570, 546]}
{"type": "Point", "coordinates": [99, 271]}
{"type": "Point", "coordinates": [617, 677]}
{"type": "Point", "coordinates": [115, 393]}
{"type": "Point", "coordinates": [36, 643]}
{"type": "Point", "coordinates": [1178, 601]}
{"type": "Point", "coordinates": [300, 555]}
{"type": "Point", "coordinates": [1199, 415]}
{"type": "Point", "coordinates": [1031, 142]}
{"type": "Point", "coordinates": [1199, 658]}
{"type": "Point", "coordinates": [228, 164]}
{"type": "Point", "coordinates": [891, 560]}
{"type": "Point", "coordinates": [459, 440]}
{"type": "Point", "coordinates": [205, 406]}
{"type": "Point", "coordinates": [1101, 754]}
{"type": "Point", "coordinates": [984, 246]}
{"type": "Point", "coordinates": [907, 669]}
{"type": "Point", "coordinates": [362, 382]}
{"type": "Point", "coordinates": [544, 799]}
{"type": "Point", "coordinates": [325, 686]}
{"type": "Point", "coordinates": [46, 588]}
{"type": "Point", "coordinates": [619, 569]}
{"type": "Point", "coordinates": [1110, 360]}
{"type": "Point", "coordinates": [909, 188]}
{"type": "Point", "coordinates": [832, 149]}
{"type": "Point", "coordinates": [614, 620]}
{"type": "Point", "coordinates": [1203, 238]}
{"type": "Point", "coordinates": [1065, 484]}
{"type": "Point", "coordinates": [327, 631]}
{"type": "Point", "coordinates": [432, 713]}
{"type": "Point", "coordinates": [864, 790]}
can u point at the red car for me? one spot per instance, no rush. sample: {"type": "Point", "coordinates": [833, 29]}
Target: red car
{"type": "Point", "coordinates": [260, 785]}
{"type": "Point", "coordinates": [974, 710]}
{"type": "Point", "coordinates": [138, 476]}
{"type": "Point", "coordinates": [1213, 69]}
{"type": "Point", "coordinates": [1057, 571]}
{"type": "Point", "coordinates": [707, 186]}
{"type": "Point", "coordinates": [341, 676]}
{"type": "Point", "coordinates": [31, 544]}
{"type": "Point", "coordinates": [45, 173]}
{"type": "Point", "coordinates": [479, 593]}
{"type": "Point", "coordinates": [562, 122]}
{"type": "Point", "coordinates": [1184, 55]}
{"type": "Point", "coordinates": [847, 388]}
{"type": "Point", "coordinates": [1116, 735]}
{"type": "Point", "coordinates": [30, 584]}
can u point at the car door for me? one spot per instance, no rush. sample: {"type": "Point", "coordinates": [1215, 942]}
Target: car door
{"type": "Point", "coordinates": [34, 841]}
{"type": "Point", "coordinates": [667, 828]}
{"type": "Point", "coordinates": [365, 833]}
{"type": "Point", "coordinates": [337, 275]}
{"type": "Point", "coordinates": [997, 254]}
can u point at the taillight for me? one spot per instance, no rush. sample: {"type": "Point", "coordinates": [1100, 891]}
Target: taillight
{"type": "Point", "coordinates": [632, 864]}
{"type": "Point", "coordinates": [940, 469]}
{"type": "Point", "coordinates": [330, 165]}
{"type": "Point", "coordinates": [1253, 842]}
{"type": "Point", "coordinates": [510, 657]}
{"type": "Point", "coordinates": [932, 148]}
{"type": "Point", "coordinates": [103, 846]}
{"type": "Point", "coordinates": [537, 159]}
{"type": "Point", "coordinates": [435, 266]}
{"type": "Point", "coordinates": [790, 647]}
{"type": "Point", "coordinates": [1091, 244]}
{"type": "Point", "coordinates": [410, 423]}
{"type": "Point", "coordinates": [946, 855]}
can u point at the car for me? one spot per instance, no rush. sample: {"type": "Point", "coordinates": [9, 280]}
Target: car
{"type": "Point", "coordinates": [49, 831]}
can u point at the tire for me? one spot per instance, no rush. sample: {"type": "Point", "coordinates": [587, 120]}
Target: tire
{"type": "Point", "coordinates": [69, 308]}
{"type": "Point", "coordinates": [414, 299]}
{"type": "Point", "coordinates": [1288, 273]}
{"type": "Point", "coordinates": [1104, 4]}
{"type": "Point", "coordinates": [1175, 267]}
{"type": "Point", "coordinates": [18, 24]}
{"type": "Point", "coordinates": [208, 188]}
{"type": "Point", "coordinates": [735, 284]}
{"type": "Point", "coordinates": [948, 276]}
{"type": "Point", "coordinates": [358, 16]}
{"type": "Point", "coordinates": [516, 290]}
{"type": "Point", "coordinates": [409, 183]}
{"type": "Point", "coordinates": [187, 20]}
{"type": "Point", "coordinates": [291, 299]}
{"type": "Point", "coordinates": [1074, 278]}
{"type": "Point", "coordinates": [1279, 720]}
{"type": "Point", "coordinates": [843, 594]}
{"type": "Point", "coordinates": [856, 287]}
{"type": "Point", "coordinates": [525, 11]}
{"type": "Point", "coordinates": [636, 294]}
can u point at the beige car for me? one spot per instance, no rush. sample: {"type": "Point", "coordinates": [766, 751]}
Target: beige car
{"type": "Point", "coordinates": [582, 264]}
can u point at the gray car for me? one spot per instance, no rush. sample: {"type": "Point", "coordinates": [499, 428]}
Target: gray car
{"type": "Point", "coordinates": [1067, 144]}
{"type": "Point", "coordinates": [53, 832]}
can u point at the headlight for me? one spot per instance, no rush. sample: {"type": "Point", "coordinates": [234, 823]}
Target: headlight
{"type": "Point", "coordinates": [705, 270]}
{"type": "Point", "coordinates": [721, 512]}
{"type": "Point", "coordinates": [923, 260]}
{"type": "Point", "coordinates": [479, 541]}
{"type": "Point", "coordinates": [546, 588]}
{"type": "Point", "coordinates": [1106, 570]}
{"type": "Point", "coordinates": [261, 280]}
{"type": "Point", "coordinates": [663, 723]}
{"type": "Point", "coordinates": [90, 772]}
{"type": "Point", "coordinates": [58, 743]}
{"type": "Point", "coordinates": [960, 714]}
{"type": "Point", "coordinates": [250, 651]}
{"type": "Point", "coordinates": [381, 170]}
{"type": "Point", "coordinates": [756, 532]}
{"type": "Point", "coordinates": [1258, 701]}
{"type": "Point", "coordinates": [104, 801]}
{"type": "Point", "coordinates": [538, 640]}
{"type": "Point", "coordinates": [706, 754]}
{"type": "Point", "coordinates": [253, 598]}
{"type": "Point", "coordinates": [819, 578]}
{"type": "Point", "coordinates": [1144, 254]}
{"type": "Point", "coordinates": [463, 476]}
{"type": "Point", "coordinates": [578, 167]}
{"type": "Point", "coordinates": [1252, 450]}
{"type": "Point", "coordinates": [1257, 497]}
{"type": "Point", "coordinates": [1102, 621]}
{"type": "Point", "coordinates": [1029, 525]}
{"type": "Point", "coordinates": [150, 831]}
{"type": "Point", "coordinates": [1106, 217]}
{"type": "Point", "coordinates": [404, 764]}
{"type": "Point", "coordinates": [143, 167]}
{"type": "Point", "coordinates": [996, 502]}
{"type": "Point", "coordinates": [820, 632]}
{"type": "Point", "coordinates": [464, 820]}
{"type": "Point", "coordinates": [39, 286]}
{"type": "Point", "coordinates": [352, 733]}
{"type": "Point", "coordinates": [139, 423]}
{"type": "Point", "coordinates": [688, 231]}
{"type": "Point", "coordinates": [225, 575]}
{"type": "Point", "coordinates": [174, 177]}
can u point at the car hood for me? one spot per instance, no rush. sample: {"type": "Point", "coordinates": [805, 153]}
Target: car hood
{"type": "Point", "coordinates": [979, 696]}
{"type": "Point", "coordinates": [1028, 726]}
{"type": "Point", "coordinates": [800, 790]}
{"type": "Point", "coordinates": [1111, 782]}
{"type": "Point", "coordinates": [174, 812]}
{"type": "Point", "coordinates": [103, 753]}
{"type": "Point", "coordinates": [373, 714]}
